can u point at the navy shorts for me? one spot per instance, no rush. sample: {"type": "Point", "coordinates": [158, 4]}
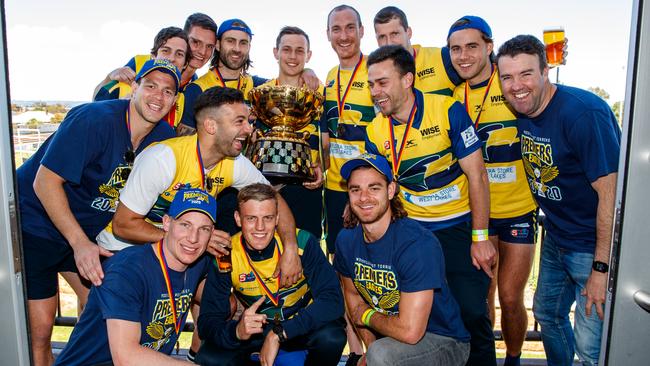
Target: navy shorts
{"type": "Point", "coordinates": [44, 259]}
{"type": "Point", "coordinates": [517, 230]}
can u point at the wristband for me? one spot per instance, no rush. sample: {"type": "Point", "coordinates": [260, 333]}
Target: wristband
{"type": "Point", "coordinates": [365, 318]}
{"type": "Point", "coordinates": [481, 232]}
{"type": "Point", "coordinates": [477, 238]}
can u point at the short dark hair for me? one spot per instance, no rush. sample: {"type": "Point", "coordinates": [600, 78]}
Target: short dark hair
{"type": "Point", "coordinates": [214, 63]}
{"type": "Point", "coordinates": [200, 20]}
{"type": "Point", "coordinates": [342, 8]}
{"type": "Point", "coordinates": [389, 13]}
{"type": "Point", "coordinates": [170, 32]}
{"type": "Point", "coordinates": [402, 59]}
{"type": "Point", "coordinates": [524, 43]}
{"type": "Point", "coordinates": [256, 192]}
{"type": "Point", "coordinates": [216, 97]}
{"type": "Point", "coordinates": [288, 30]}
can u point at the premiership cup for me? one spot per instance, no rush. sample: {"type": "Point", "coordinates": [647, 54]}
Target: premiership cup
{"type": "Point", "coordinates": [283, 154]}
{"type": "Point", "coordinates": [554, 42]}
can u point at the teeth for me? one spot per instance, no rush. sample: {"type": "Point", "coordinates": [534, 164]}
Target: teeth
{"type": "Point", "coordinates": [155, 107]}
{"type": "Point", "coordinates": [521, 95]}
{"type": "Point", "coordinates": [465, 65]}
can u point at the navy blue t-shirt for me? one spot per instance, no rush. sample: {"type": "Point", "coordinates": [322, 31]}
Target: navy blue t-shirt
{"type": "Point", "coordinates": [571, 144]}
{"type": "Point", "coordinates": [408, 258]}
{"type": "Point", "coordinates": [87, 151]}
{"type": "Point", "coordinates": [134, 290]}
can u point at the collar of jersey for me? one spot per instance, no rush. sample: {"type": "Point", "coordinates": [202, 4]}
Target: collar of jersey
{"type": "Point", "coordinates": [260, 255]}
{"type": "Point", "coordinates": [419, 113]}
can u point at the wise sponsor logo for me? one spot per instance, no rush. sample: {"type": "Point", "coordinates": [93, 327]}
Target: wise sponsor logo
{"type": "Point", "coordinates": [427, 73]}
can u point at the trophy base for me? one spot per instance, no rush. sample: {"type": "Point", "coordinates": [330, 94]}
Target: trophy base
{"type": "Point", "coordinates": [283, 160]}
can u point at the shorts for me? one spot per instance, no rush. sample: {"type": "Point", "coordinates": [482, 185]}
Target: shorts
{"type": "Point", "coordinates": [44, 259]}
{"type": "Point", "coordinates": [335, 202]}
{"type": "Point", "coordinates": [517, 230]}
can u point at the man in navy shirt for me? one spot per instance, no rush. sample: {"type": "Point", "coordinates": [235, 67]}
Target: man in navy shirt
{"type": "Point", "coordinates": [570, 143]}
{"type": "Point", "coordinates": [138, 311]}
{"type": "Point", "coordinates": [68, 191]}
{"type": "Point", "coordinates": [393, 275]}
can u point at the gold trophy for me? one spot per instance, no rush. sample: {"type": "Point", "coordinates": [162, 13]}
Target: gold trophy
{"type": "Point", "coordinates": [283, 154]}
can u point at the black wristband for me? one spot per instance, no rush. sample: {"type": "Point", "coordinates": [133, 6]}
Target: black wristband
{"type": "Point", "coordinates": [600, 267]}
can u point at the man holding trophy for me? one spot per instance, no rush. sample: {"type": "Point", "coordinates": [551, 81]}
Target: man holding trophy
{"type": "Point", "coordinates": [286, 154]}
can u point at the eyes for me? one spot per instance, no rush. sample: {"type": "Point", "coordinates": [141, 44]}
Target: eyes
{"type": "Point", "coordinates": [265, 219]}
{"type": "Point", "coordinates": [206, 229]}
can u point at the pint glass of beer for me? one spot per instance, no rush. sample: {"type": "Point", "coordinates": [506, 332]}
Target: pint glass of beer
{"type": "Point", "coordinates": [554, 42]}
{"type": "Point", "coordinates": [224, 263]}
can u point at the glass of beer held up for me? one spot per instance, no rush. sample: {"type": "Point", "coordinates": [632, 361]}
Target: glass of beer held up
{"type": "Point", "coordinates": [554, 42]}
{"type": "Point", "coordinates": [224, 263]}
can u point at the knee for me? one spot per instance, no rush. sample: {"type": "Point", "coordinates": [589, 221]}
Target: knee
{"type": "Point", "coordinates": [331, 339]}
{"type": "Point", "coordinates": [510, 300]}
{"type": "Point", "coordinates": [41, 332]}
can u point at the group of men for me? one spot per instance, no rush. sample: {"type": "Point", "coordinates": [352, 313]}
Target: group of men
{"type": "Point", "coordinates": [434, 163]}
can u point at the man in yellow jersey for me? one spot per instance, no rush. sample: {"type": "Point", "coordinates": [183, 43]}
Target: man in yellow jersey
{"type": "Point", "coordinates": [433, 70]}
{"type": "Point", "coordinates": [306, 200]}
{"type": "Point", "coordinates": [305, 316]}
{"type": "Point", "coordinates": [512, 208]}
{"type": "Point", "coordinates": [436, 159]}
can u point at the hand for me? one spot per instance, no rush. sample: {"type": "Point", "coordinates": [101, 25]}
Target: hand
{"type": "Point", "coordinates": [270, 349]}
{"type": "Point", "coordinates": [86, 257]}
{"type": "Point", "coordinates": [250, 322]}
{"type": "Point", "coordinates": [289, 267]}
{"type": "Point", "coordinates": [219, 244]}
{"type": "Point", "coordinates": [357, 313]}
{"type": "Point", "coordinates": [595, 290]}
{"type": "Point", "coordinates": [318, 178]}
{"type": "Point", "coordinates": [123, 74]}
{"type": "Point", "coordinates": [310, 79]}
{"type": "Point", "coordinates": [483, 256]}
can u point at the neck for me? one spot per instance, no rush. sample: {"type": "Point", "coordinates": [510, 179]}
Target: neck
{"type": "Point", "coordinates": [228, 73]}
{"type": "Point", "coordinates": [289, 80]}
{"type": "Point", "coordinates": [209, 155]}
{"type": "Point", "coordinates": [549, 90]}
{"type": "Point", "coordinates": [351, 62]}
{"type": "Point", "coordinates": [482, 76]}
{"type": "Point", "coordinates": [139, 126]}
{"type": "Point", "coordinates": [172, 263]}
{"type": "Point", "coordinates": [187, 74]}
{"type": "Point", "coordinates": [404, 112]}
{"type": "Point", "coordinates": [375, 230]}
{"type": "Point", "coordinates": [410, 49]}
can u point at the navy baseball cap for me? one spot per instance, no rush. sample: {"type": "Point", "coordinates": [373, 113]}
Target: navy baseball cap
{"type": "Point", "coordinates": [234, 24]}
{"type": "Point", "coordinates": [193, 200]}
{"type": "Point", "coordinates": [376, 161]}
{"type": "Point", "coordinates": [471, 22]}
{"type": "Point", "coordinates": [160, 64]}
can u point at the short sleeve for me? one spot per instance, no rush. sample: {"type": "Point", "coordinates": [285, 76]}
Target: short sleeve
{"type": "Point", "coordinates": [462, 133]}
{"type": "Point", "coordinates": [246, 173]}
{"type": "Point", "coordinates": [342, 258]}
{"type": "Point", "coordinates": [121, 295]}
{"type": "Point", "coordinates": [131, 64]}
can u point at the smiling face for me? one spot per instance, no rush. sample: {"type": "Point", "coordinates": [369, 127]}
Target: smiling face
{"type": "Point", "coordinates": [232, 128]}
{"type": "Point", "coordinates": [202, 43]}
{"type": "Point", "coordinates": [525, 86]}
{"type": "Point", "coordinates": [258, 220]}
{"type": "Point", "coordinates": [175, 51]}
{"type": "Point", "coordinates": [345, 33]}
{"type": "Point", "coordinates": [154, 96]}
{"type": "Point", "coordinates": [233, 48]}
{"type": "Point", "coordinates": [389, 89]}
{"type": "Point", "coordinates": [186, 238]}
{"type": "Point", "coordinates": [393, 33]}
{"type": "Point", "coordinates": [470, 55]}
{"type": "Point", "coordinates": [292, 54]}
{"type": "Point", "coordinates": [370, 195]}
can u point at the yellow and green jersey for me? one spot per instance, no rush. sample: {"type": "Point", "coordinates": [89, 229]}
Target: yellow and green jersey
{"type": "Point", "coordinates": [346, 127]}
{"type": "Point", "coordinates": [497, 129]}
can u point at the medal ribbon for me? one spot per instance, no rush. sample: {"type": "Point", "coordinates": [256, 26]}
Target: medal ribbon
{"type": "Point", "coordinates": [274, 297]}
{"type": "Point", "coordinates": [168, 283]}
{"type": "Point", "coordinates": [397, 155]}
{"type": "Point", "coordinates": [171, 116]}
{"type": "Point", "coordinates": [487, 91]}
{"type": "Point", "coordinates": [201, 169]}
{"type": "Point", "coordinates": [340, 102]}
{"type": "Point", "coordinates": [221, 80]}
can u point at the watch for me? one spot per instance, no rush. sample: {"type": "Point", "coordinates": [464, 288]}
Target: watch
{"type": "Point", "coordinates": [279, 330]}
{"type": "Point", "coordinates": [599, 266]}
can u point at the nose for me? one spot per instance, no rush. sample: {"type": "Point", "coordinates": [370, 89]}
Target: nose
{"type": "Point", "coordinates": [374, 90]}
{"type": "Point", "coordinates": [193, 236]}
{"type": "Point", "coordinates": [247, 128]}
{"type": "Point", "coordinates": [259, 225]}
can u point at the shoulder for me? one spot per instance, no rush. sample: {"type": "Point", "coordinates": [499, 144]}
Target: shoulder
{"type": "Point", "coordinates": [205, 81]}
{"type": "Point", "coordinates": [578, 99]}
{"type": "Point", "coordinates": [129, 261]}
{"type": "Point", "coordinates": [101, 115]}
{"type": "Point", "coordinates": [409, 231]}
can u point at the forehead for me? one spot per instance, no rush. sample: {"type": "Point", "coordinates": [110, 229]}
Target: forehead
{"type": "Point", "coordinates": [232, 111]}
{"type": "Point", "coordinates": [160, 78]}
{"type": "Point", "coordinates": [343, 18]}
{"type": "Point", "coordinates": [254, 207]}
{"type": "Point", "coordinates": [392, 26]}
{"type": "Point", "coordinates": [293, 40]}
{"type": "Point", "coordinates": [366, 176]}
{"type": "Point", "coordinates": [236, 34]}
{"type": "Point", "coordinates": [196, 218]}
{"type": "Point", "coordinates": [518, 63]}
{"type": "Point", "coordinates": [203, 34]}
{"type": "Point", "coordinates": [381, 70]}
{"type": "Point", "coordinates": [466, 36]}
{"type": "Point", "coordinates": [175, 42]}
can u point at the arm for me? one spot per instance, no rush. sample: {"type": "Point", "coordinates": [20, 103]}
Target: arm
{"type": "Point", "coordinates": [596, 286]}
{"type": "Point", "coordinates": [124, 341]}
{"type": "Point", "coordinates": [354, 301]}
{"type": "Point", "coordinates": [325, 138]}
{"type": "Point", "coordinates": [123, 74]}
{"type": "Point", "coordinates": [409, 325]}
{"type": "Point", "coordinates": [289, 267]}
{"type": "Point", "coordinates": [132, 226]}
{"type": "Point", "coordinates": [483, 252]}
{"type": "Point", "coordinates": [48, 187]}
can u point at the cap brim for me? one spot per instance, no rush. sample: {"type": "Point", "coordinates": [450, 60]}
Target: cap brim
{"type": "Point", "coordinates": [194, 209]}
{"type": "Point", "coordinates": [350, 165]}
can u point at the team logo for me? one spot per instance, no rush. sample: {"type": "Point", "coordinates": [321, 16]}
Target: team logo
{"type": "Point", "coordinates": [537, 158]}
{"type": "Point", "coordinates": [387, 145]}
{"type": "Point", "coordinates": [246, 277]}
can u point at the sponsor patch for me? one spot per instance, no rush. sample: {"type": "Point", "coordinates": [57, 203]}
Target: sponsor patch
{"type": "Point", "coordinates": [344, 151]}
{"type": "Point", "coordinates": [469, 136]}
{"type": "Point", "coordinates": [504, 174]}
{"type": "Point", "coordinates": [440, 197]}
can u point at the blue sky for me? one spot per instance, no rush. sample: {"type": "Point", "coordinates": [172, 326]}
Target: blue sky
{"type": "Point", "coordinates": [59, 50]}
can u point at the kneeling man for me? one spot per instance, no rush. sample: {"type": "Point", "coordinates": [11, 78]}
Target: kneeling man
{"type": "Point", "coordinates": [305, 316]}
{"type": "Point", "coordinates": [393, 275]}
{"type": "Point", "coordinates": [138, 311]}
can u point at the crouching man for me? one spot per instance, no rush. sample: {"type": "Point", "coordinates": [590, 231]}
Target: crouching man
{"type": "Point", "coordinates": [305, 316]}
{"type": "Point", "coordinates": [137, 313]}
{"type": "Point", "coordinates": [393, 276]}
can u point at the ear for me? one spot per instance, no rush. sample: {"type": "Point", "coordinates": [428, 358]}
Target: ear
{"type": "Point", "coordinates": [409, 32]}
{"type": "Point", "coordinates": [167, 221]}
{"type": "Point", "coordinates": [210, 125]}
{"type": "Point", "coordinates": [327, 32]}
{"type": "Point", "coordinates": [407, 80]}
{"type": "Point", "coordinates": [237, 218]}
{"type": "Point", "coordinates": [217, 46]}
{"type": "Point", "coordinates": [308, 56]}
{"type": "Point", "coordinates": [490, 48]}
{"type": "Point", "coordinates": [275, 53]}
{"type": "Point", "coordinates": [361, 32]}
{"type": "Point", "coordinates": [392, 188]}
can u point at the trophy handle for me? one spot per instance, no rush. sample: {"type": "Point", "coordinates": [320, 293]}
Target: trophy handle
{"type": "Point", "coordinates": [305, 135]}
